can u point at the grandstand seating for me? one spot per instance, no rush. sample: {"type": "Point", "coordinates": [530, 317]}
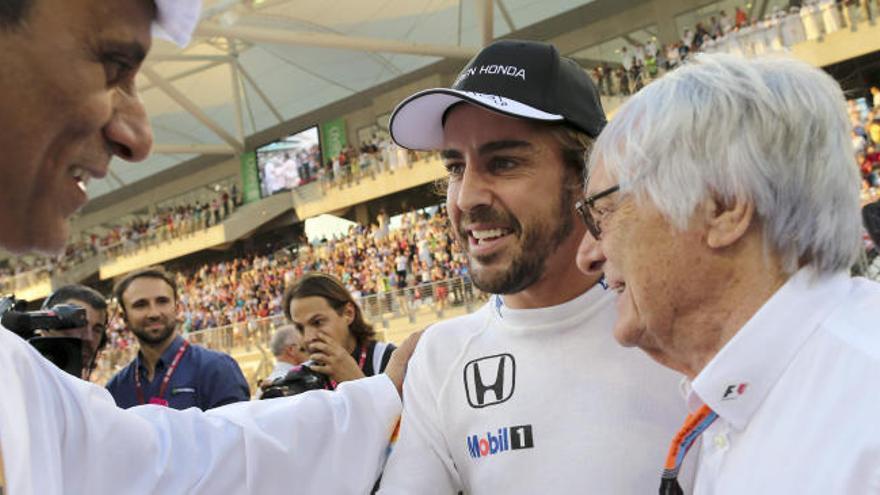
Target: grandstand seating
{"type": "Point", "coordinates": [244, 329]}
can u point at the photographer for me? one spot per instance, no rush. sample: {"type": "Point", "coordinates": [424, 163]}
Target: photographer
{"type": "Point", "coordinates": [68, 102]}
{"type": "Point", "coordinates": [94, 335]}
{"type": "Point", "coordinates": [340, 343]}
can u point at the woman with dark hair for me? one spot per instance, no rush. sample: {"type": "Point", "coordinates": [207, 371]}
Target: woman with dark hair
{"type": "Point", "coordinates": [336, 336]}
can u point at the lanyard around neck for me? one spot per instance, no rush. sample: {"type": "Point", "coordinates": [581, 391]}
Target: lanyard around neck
{"type": "Point", "coordinates": [693, 427]}
{"type": "Point", "coordinates": [165, 381]}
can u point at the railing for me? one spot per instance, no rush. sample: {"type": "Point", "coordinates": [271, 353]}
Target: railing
{"type": "Point", "coordinates": [379, 309]}
{"type": "Point", "coordinates": [406, 302]}
{"type": "Point", "coordinates": [9, 284]}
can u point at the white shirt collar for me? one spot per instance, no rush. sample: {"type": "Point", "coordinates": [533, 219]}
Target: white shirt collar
{"type": "Point", "coordinates": [581, 307]}
{"type": "Point", "coordinates": [737, 380]}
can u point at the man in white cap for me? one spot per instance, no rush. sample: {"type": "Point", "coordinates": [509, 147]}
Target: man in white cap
{"type": "Point", "coordinates": [68, 103]}
{"type": "Point", "coordinates": [529, 394]}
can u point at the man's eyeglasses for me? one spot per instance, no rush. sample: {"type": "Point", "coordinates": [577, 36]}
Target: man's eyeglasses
{"type": "Point", "coordinates": [585, 206]}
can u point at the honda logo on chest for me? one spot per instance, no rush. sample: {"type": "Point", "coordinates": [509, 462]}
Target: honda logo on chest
{"type": "Point", "coordinates": [489, 380]}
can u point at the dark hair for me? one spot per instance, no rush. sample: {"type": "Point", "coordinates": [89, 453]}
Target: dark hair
{"type": "Point", "coordinates": [329, 288]}
{"type": "Point", "coordinates": [14, 12]}
{"type": "Point", "coordinates": [79, 292]}
{"type": "Point", "coordinates": [149, 272]}
{"type": "Point", "coordinates": [574, 146]}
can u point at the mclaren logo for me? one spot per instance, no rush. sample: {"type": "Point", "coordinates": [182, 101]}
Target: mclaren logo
{"type": "Point", "coordinates": [489, 380]}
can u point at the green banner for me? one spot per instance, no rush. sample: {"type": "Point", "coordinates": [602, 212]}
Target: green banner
{"type": "Point", "coordinates": [250, 180]}
{"type": "Point", "coordinates": [333, 138]}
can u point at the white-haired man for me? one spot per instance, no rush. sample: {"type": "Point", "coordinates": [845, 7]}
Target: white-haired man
{"type": "Point", "coordinates": [68, 102]}
{"type": "Point", "coordinates": [723, 205]}
{"type": "Point", "coordinates": [286, 346]}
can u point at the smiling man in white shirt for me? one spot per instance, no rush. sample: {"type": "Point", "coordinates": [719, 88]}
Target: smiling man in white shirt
{"type": "Point", "coordinates": [529, 394]}
{"type": "Point", "coordinates": [723, 205]}
{"type": "Point", "coordinates": [68, 103]}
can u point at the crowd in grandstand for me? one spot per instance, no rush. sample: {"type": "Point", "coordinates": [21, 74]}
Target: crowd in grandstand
{"type": "Point", "coordinates": [737, 34]}
{"type": "Point", "coordinates": [165, 223]}
{"type": "Point", "coordinates": [866, 139]}
{"type": "Point", "coordinates": [387, 269]}
{"type": "Point", "coordinates": [374, 156]}
{"type": "Point", "coordinates": [352, 164]}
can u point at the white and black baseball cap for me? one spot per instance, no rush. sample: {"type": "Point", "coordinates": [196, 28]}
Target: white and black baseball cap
{"type": "Point", "coordinates": [525, 79]}
{"type": "Point", "coordinates": [176, 20]}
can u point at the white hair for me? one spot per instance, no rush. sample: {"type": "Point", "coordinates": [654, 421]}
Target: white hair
{"type": "Point", "coordinates": [284, 336]}
{"type": "Point", "coordinates": [770, 131]}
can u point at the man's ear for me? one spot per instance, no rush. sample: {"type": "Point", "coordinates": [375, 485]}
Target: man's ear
{"type": "Point", "coordinates": [348, 313]}
{"type": "Point", "coordinates": [726, 220]}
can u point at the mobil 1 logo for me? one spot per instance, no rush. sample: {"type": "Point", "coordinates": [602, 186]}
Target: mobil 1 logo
{"type": "Point", "coordinates": [505, 439]}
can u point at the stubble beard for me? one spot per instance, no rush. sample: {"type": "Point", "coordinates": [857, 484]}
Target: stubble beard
{"type": "Point", "coordinates": [538, 241]}
{"type": "Point", "coordinates": [145, 337]}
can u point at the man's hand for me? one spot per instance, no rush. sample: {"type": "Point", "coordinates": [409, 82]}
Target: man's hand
{"type": "Point", "coordinates": [396, 369]}
{"type": "Point", "coordinates": [333, 360]}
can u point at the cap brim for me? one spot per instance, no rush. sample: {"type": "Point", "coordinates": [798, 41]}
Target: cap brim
{"type": "Point", "coordinates": [176, 20]}
{"type": "Point", "coordinates": [417, 122]}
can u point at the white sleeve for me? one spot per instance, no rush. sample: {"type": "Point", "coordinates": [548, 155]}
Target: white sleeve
{"type": "Point", "coordinates": [420, 462]}
{"type": "Point", "coordinates": [62, 435]}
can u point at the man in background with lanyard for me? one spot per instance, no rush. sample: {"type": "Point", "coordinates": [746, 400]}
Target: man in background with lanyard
{"type": "Point", "coordinates": [168, 371]}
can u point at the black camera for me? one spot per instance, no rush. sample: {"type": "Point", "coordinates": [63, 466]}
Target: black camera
{"type": "Point", "coordinates": [64, 352]}
{"type": "Point", "coordinates": [298, 380]}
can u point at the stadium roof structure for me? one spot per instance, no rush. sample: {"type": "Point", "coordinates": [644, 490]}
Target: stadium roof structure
{"type": "Point", "coordinates": [254, 64]}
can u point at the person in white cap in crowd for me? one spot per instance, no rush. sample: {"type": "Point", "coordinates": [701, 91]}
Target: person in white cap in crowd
{"type": "Point", "coordinates": [723, 205]}
{"type": "Point", "coordinates": [68, 103]}
{"type": "Point", "coordinates": [529, 394]}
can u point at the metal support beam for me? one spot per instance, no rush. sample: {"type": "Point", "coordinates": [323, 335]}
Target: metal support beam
{"type": "Point", "coordinates": [115, 177]}
{"type": "Point", "coordinates": [328, 40]}
{"type": "Point", "coordinates": [259, 92]}
{"type": "Point", "coordinates": [487, 17]}
{"type": "Point", "coordinates": [191, 107]}
{"type": "Point", "coordinates": [506, 15]}
{"type": "Point", "coordinates": [762, 10]}
{"type": "Point", "coordinates": [236, 93]}
{"type": "Point", "coordinates": [182, 75]}
{"type": "Point", "coordinates": [460, 15]}
{"type": "Point", "coordinates": [188, 58]}
{"type": "Point", "coordinates": [193, 149]}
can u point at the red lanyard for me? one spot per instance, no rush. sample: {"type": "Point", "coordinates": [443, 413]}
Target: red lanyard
{"type": "Point", "coordinates": [361, 362]}
{"type": "Point", "coordinates": [158, 399]}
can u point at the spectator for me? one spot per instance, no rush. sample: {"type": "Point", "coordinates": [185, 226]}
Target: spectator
{"type": "Point", "coordinates": [726, 23]}
{"type": "Point", "coordinates": [94, 334]}
{"type": "Point", "coordinates": [626, 58]}
{"type": "Point", "coordinates": [286, 346]}
{"type": "Point", "coordinates": [336, 336]}
{"type": "Point", "coordinates": [740, 18]}
{"type": "Point", "coordinates": [168, 370]}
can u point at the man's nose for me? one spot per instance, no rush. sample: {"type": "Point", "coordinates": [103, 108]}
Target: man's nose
{"type": "Point", "coordinates": [590, 257]}
{"type": "Point", "coordinates": [128, 132]}
{"type": "Point", "coordinates": [472, 190]}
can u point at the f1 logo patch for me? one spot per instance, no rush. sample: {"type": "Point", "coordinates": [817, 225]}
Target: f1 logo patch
{"type": "Point", "coordinates": [734, 391]}
{"type": "Point", "coordinates": [489, 380]}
